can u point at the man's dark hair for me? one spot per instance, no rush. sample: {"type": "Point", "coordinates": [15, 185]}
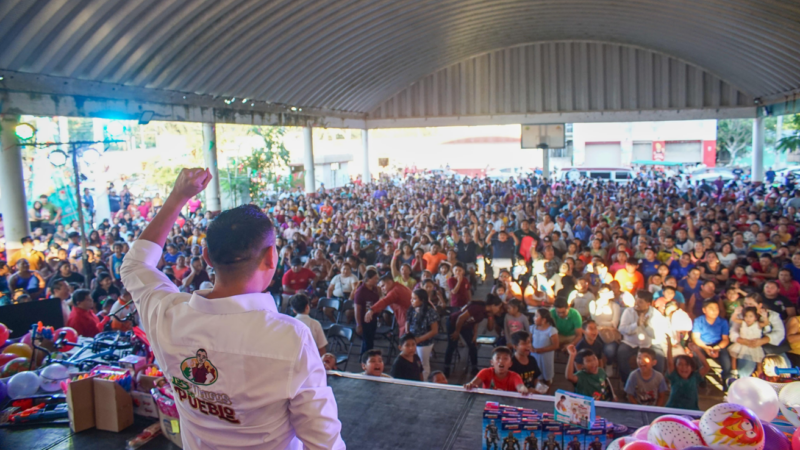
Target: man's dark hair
{"type": "Point", "coordinates": [433, 374]}
{"type": "Point", "coordinates": [493, 300]}
{"type": "Point", "coordinates": [387, 277]}
{"type": "Point", "coordinates": [238, 238]}
{"type": "Point", "coordinates": [584, 353]}
{"type": "Point", "coordinates": [645, 295]}
{"type": "Point", "coordinates": [407, 337]}
{"type": "Point", "coordinates": [561, 302]}
{"type": "Point", "coordinates": [648, 351]}
{"type": "Point", "coordinates": [587, 322]}
{"type": "Point", "coordinates": [519, 337]}
{"type": "Point", "coordinates": [299, 303]}
{"type": "Point", "coordinates": [80, 295]}
{"type": "Point", "coordinates": [502, 350]}
{"type": "Point", "coordinates": [26, 240]}
{"type": "Point", "coordinates": [369, 354]}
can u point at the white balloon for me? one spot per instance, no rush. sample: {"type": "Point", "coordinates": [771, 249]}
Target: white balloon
{"type": "Point", "coordinates": [789, 399]}
{"type": "Point", "coordinates": [52, 376]}
{"type": "Point", "coordinates": [23, 385]}
{"type": "Point", "coordinates": [757, 396]}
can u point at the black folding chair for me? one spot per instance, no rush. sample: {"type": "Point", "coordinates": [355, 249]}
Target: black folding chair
{"type": "Point", "coordinates": [340, 342]}
{"type": "Point", "coordinates": [322, 317]}
{"type": "Point", "coordinates": [387, 332]}
{"type": "Point", "coordinates": [347, 305]}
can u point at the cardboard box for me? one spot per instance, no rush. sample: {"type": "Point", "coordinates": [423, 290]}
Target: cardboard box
{"type": "Point", "coordinates": [113, 407]}
{"type": "Point", "coordinates": [145, 383]}
{"type": "Point", "coordinates": [80, 403]}
{"type": "Point", "coordinates": [144, 405]}
{"type": "Point", "coordinates": [170, 428]}
{"type": "Point", "coordinates": [102, 404]}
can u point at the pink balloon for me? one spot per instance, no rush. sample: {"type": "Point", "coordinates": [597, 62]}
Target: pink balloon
{"type": "Point", "coordinates": [642, 445]}
{"type": "Point", "coordinates": [27, 339]}
{"type": "Point", "coordinates": [641, 433]}
{"type": "Point", "coordinates": [3, 334]}
{"type": "Point", "coordinates": [796, 440]}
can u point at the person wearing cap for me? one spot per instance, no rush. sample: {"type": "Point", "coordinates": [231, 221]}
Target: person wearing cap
{"type": "Point", "coordinates": [563, 227]}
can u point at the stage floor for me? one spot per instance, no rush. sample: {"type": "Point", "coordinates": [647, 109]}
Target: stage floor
{"type": "Point", "coordinates": [375, 414]}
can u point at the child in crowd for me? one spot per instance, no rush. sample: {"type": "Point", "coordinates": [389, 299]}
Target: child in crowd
{"type": "Point", "coordinates": [437, 376]}
{"type": "Point", "coordinates": [751, 328]}
{"type": "Point", "coordinates": [515, 321]}
{"type": "Point", "coordinates": [646, 386]}
{"type": "Point", "coordinates": [592, 380]}
{"type": "Point", "coordinates": [591, 340]}
{"type": "Point", "coordinates": [302, 307]}
{"type": "Point", "coordinates": [684, 379]}
{"type": "Point", "coordinates": [442, 277]}
{"type": "Point", "coordinates": [407, 365]}
{"type": "Point", "coordinates": [655, 283]}
{"type": "Point", "coordinates": [422, 322]}
{"type": "Point", "coordinates": [372, 363]}
{"type": "Point", "coordinates": [329, 361]}
{"type": "Point", "coordinates": [732, 300]}
{"type": "Point", "coordinates": [522, 363]}
{"type": "Point", "coordinates": [545, 343]}
{"type": "Point", "coordinates": [499, 376]}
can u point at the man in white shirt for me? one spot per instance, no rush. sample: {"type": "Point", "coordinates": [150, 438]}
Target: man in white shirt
{"type": "Point", "coordinates": [244, 375]}
{"type": "Point", "coordinates": [302, 307]}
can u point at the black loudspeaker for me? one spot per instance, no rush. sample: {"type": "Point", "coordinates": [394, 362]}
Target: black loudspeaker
{"type": "Point", "coordinates": [19, 318]}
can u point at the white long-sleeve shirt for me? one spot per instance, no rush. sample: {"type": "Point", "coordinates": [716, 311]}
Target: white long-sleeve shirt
{"type": "Point", "coordinates": [244, 375]}
{"type": "Point", "coordinates": [632, 333]}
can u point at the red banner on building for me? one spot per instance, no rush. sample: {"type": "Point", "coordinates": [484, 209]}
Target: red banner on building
{"type": "Point", "coordinates": [659, 150]}
{"type": "Point", "coordinates": [710, 153]}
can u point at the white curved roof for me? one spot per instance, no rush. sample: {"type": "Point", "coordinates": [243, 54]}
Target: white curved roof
{"type": "Point", "coordinates": [352, 56]}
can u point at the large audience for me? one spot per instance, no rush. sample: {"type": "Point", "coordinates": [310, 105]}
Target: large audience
{"type": "Point", "coordinates": [660, 281]}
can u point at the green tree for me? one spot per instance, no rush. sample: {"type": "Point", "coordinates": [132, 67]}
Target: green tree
{"type": "Point", "coordinates": [790, 142]}
{"type": "Point", "coordinates": [734, 138]}
{"type": "Point", "coordinates": [260, 172]}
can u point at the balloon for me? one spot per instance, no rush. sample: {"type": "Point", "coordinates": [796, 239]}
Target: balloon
{"type": "Point", "coordinates": [3, 391]}
{"type": "Point", "coordinates": [796, 440]}
{"type": "Point", "coordinates": [756, 395]}
{"type": "Point", "coordinates": [52, 376]}
{"type": "Point", "coordinates": [641, 433]}
{"type": "Point", "coordinates": [15, 366]}
{"type": "Point", "coordinates": [6, 357]}
{"type": "Point", "coordinates": [72, 336]}
{"type": "Point", "coordinates": [23, 385]}
{"type": "Point", "coordinates": [674, 432]}
{"type": "Point", "coordinates": [642, 445]}
{"type": "Point", "coordinates": [774, 439]}
{"type": "Point", "coordinates": [618, 443]}
{"type": "Point", "coordinates": [727, 425]}
{"type": "Point", "coordinates": [4, 332]}
{"type": "Point", "coordinates": [26, 339]}
{"type": "Point", "coordinates": [789, 400]}
{"type": "Point", "coordinates": [697, 448]}
{"type": "Point", "coordinates": [19, 349]}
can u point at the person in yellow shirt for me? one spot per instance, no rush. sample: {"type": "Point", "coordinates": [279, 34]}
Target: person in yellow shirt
{"type": "Point", "coordinates": [197, 237]}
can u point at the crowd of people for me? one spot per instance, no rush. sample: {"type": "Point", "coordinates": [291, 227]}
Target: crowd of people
{"type": "Point", "coordinates": [654, 280]}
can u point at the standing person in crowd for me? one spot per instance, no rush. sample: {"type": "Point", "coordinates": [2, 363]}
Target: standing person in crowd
{"type": "Point", "coordinates": [366, 296]}
{"type": "Point", "coordinates": [423, 324]}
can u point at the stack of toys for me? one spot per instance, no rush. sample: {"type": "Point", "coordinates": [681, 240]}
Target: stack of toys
{"type": "Point", "coordinates": [511, 427]}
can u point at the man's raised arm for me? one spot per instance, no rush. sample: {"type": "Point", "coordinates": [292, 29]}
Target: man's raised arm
{"type": "Point", "coordinates": [139, 271]}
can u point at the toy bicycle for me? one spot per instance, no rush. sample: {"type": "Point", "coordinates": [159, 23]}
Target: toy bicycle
{"type": "Point", "coordinates": [107, 347]}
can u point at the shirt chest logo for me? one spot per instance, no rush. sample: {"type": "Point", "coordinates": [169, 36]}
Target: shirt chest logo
{"type": "Point", "coordinates": [199, 369]}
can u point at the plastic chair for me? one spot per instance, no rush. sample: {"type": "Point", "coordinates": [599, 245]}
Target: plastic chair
{"type": "Point", "coordinates": [387, 332]}
{"type": "Point", "coordinates": [340, 342]}
{"type": "Point", "coordinates": [329, 303]}
{"type": "Point", "coordinates": [347, 305]}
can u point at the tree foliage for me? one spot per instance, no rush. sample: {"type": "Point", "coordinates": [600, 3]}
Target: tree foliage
{"type": "Point", "coordinates": [735, 136]}
{"type": "Point", "coordinates": [791, 142]}
{"type": "Point", "coordinates": [260, 172]}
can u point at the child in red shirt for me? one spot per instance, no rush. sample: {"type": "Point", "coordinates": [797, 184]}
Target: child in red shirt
{"type": "Point", "coordinates": [82, 317]}
{"type": "Point", "coordinates": [499, 377]}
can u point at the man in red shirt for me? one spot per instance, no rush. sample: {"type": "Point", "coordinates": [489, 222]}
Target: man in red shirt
{"type": "Point", "coordinates": [296, 280]}
{"type": "Point", "coordinates": [460, 293]}
{"type": "Point", "coordinates": [499, 377]}
{"type": "Point", "coordinates": [82, 317]}
{"type": "Point", "coordinates": [396, 295]}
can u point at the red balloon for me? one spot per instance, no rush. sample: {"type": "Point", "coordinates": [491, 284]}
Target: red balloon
{"type": "Point", "coordinates": [6, 357]}
{"type": "Point", "coordinates": [642, 445]}
{"type": "Point", "coordinates": [3, 334]}
{"type": "Point", "coordinates": [72, 336]}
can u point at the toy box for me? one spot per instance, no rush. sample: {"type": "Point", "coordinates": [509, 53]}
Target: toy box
{"type": "Point", "coordinates": [531, 435]}
{"type": "Point", "coordinates": [511, 434]}
{"type": "Point", "coordinates": [574, 438]}
{"type": "Point", "coordinates": [99, 403]}
{"type": "Point", "coordinates": [552, 436]}
{"type": "Point", "coordinates": [596, 438]}
{"type": "Point", "coordinates": [492, 420]}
